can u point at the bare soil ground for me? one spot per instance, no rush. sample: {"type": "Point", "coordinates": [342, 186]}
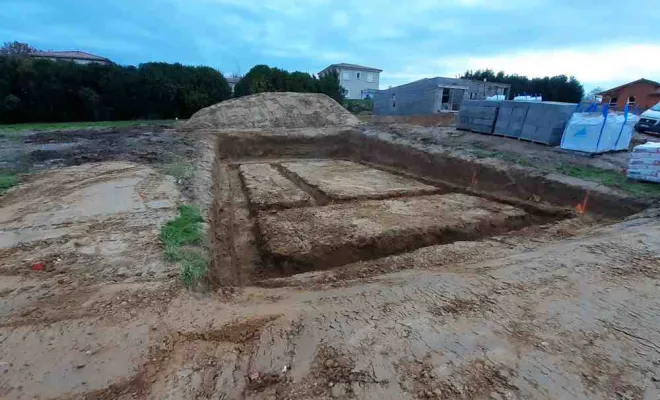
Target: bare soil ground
{"type": "Point", "coordinates": [344, 180]}
{"type": "Point", "coordinates": [510, 150]}
{"type": "Point", "coordinates": [466, 278]}
{"type": "Point", "coordinates": [322, 237]}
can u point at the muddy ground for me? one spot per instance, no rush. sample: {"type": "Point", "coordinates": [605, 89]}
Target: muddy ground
{"type": "Point", "coordinates": [440, 131]}
{"type": "Point", "coordinates": [363, 264]}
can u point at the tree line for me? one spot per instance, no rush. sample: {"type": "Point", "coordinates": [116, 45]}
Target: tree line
{"type": "Point", "coordinates": [37, 90]}
{"type": "Point", "coordinates": [41, 90]}
{"type": "Point", "coordinates": [263, 78]}
{"type": "Point", "coordinates": [555, 88]}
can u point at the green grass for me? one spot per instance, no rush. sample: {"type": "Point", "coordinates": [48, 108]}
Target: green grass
{"type": "Point", "coordinates": [185, 230]}
{"type": "Point", "coordinates": [179, 170]}
{"type": "Point", "coordinates": [194, 267]}
{"type": "Point", "coordinates": [358, 106]}
{"type": "Point", "coordinates": [7, 181]}
{"type": "Point", "coordinates": [68, 126]}
{"type": "Point", "coordinates": [611, 178]}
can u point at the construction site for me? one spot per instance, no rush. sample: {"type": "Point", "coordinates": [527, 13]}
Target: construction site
{"type": "Point", "coordinates": [346, 260]}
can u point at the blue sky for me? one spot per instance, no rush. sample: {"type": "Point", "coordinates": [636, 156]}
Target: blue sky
{"type": "Point", "coordinates": [603, 43]}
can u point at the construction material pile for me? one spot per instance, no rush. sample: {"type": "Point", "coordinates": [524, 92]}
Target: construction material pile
{"type": "Point", "coordinates": [273, 110]}
{"type": "Point", "coordinates": [541, 122]}
{"type": "Point", "coordinates": [478, 115]}
{"type": "Point", "coordinates": [644, 164]}
{"type": "Point", "coordinates": [597, 132]}
{"type": "Point", "coordinates": [545, 122]}
{"type": "Point", "coordinates": [511, 118]}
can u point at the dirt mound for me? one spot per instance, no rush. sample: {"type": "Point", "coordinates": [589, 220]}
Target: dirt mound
{"type": "Point", "coordinates": [273, 110]}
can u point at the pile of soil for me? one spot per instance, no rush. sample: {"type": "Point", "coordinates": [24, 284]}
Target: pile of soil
{"type": "Point", "coordinates": [273, 110]}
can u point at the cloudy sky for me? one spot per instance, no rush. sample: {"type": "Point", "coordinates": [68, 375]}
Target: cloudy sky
{"type": "Point", "coordinates": [603, 43]}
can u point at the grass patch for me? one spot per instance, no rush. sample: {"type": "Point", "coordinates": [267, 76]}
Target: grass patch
{"type": "Point", "coordinates": [7, 181]}
{"type": "Point", "coordinates": [194, 267]}
{"type": "Point", "coordinates": [358, 106]}
{"type": "Point", "coordinates": [179, 170]}
{"type": "Point", "coordinates": [610, 178]}
{"type": "Point", "coordinates": [7, 130]}
{"type": "Point", "coordinates": [604, 177]}
{"type": "Point", "coordinates": [185, 230]}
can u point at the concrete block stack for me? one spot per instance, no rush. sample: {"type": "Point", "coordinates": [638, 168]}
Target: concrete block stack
{"type": "Point", "coordinates": [478, 115]}
{"type": "Point", "coordinates": [511, 118]}
{"type": "Point", "coordinates": [545, 122]}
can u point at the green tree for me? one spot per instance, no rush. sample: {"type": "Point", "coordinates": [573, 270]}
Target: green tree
{"type": "Point", "coordinates": [555, 88]}
{"type": "Point", "coordinates": [263, 78]}
{"type": "Point", "coordinates": [591, 95]}
{"type": "Point", "coordinates": [40, 90]}
{"type": "Point", "coordinates": [257, 80]}
{"type": "Point", "coordinates": [329, 85]}
{"type": "Point", "coordinates": [16, 49]}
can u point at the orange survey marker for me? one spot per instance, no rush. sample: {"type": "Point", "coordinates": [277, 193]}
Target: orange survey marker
{"type": "Point", "coordinates": [582, 208]}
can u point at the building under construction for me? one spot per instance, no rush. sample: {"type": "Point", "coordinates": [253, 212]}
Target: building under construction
{"type": "Point", "coordinates": [434, 95]}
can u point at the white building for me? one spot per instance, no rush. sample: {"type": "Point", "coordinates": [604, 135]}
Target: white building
{"type": "Point", "coordinates": [358, 81]}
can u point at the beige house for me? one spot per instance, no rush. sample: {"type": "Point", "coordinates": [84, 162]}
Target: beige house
{"type": "Point", "coordinates": [358, 81]}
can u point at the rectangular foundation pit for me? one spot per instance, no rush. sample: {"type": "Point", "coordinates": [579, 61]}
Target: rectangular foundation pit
{"type": "Point", "coordinates": [345, 180]}
{"type": "Point", "coordinates": [267, 188]}
{"type": "Point", "coordinates": [302, 239]}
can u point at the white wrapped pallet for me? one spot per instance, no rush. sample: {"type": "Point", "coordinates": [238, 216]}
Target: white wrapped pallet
{"type": "Point", "coordinates": [595, 133]}
{"type": "Point", "coordinates": [528, 98]}
{"type": "Point", "coordinates": [644, 163]}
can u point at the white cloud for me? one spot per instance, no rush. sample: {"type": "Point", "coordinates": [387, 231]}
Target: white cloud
{"type": "Point", "coordinates": [608, 65]}
{"type": "Point", "coordinates": [421, 38]}
{"type": "Point", "coordinates": [605, 64]}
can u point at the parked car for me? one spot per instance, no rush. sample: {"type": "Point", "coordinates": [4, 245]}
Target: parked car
{"type": "Point", "coordinates": [649, 120]}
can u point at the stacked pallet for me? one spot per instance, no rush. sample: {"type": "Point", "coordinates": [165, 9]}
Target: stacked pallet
{"type": "Point", "coordinates": [545, 122]}
{"type": "Point", "coordinates": [644, 164]}
{"type": "Point", "coordinates": [511, 118]}
{"type": "Point", "coordinates": [478, 115]}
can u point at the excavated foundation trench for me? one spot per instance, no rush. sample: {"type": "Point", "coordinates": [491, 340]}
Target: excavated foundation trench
{"type": "Point", "coordinates": [291, 203]}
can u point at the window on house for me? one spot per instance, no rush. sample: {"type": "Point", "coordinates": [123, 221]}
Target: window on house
{"type": "Point", "coordinates": [445, 96]}
{"type": "Point", "coordinates": [631, 101]}
{"type": "Point", "coordinates": [345, 75]}
{"type": "Point", "coordinates": [393, 100]}
{"type": "Point", "coordinates": [357, 75]}
{"type": "Point", "coordinates": [613, 101]}
{"type": "Point", "coordinates": [370, 76]}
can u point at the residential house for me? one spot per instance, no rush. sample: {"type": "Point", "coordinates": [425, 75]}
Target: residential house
{"type": "Point", "coordinates": [642, 93]}
{"type": "Point", "coordinates": [358, 81]}
{"type": "Point", "coordinates": [232, 81]}
{"type": "Point", "coordinates": [434, 95]}
{"type": "Point", "coordinates": [78, 57]}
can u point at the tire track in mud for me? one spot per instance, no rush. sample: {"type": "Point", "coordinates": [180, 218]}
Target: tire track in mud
{"type": "Point", "coordinates": [242, 334]}
{"type": "Point", "coordinates": [225, 269]}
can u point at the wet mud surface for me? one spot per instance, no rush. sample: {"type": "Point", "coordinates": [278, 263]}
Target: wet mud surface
{"type": "Point", "coordinates": [421, 281]}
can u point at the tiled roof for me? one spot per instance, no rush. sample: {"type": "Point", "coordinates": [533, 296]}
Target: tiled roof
{"type": "Point", "coordinates": [352, 66]}
{"type": "Point", "coordinates": [630, 83]}
{"type": "Point", "coordinates": [76, 55]}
